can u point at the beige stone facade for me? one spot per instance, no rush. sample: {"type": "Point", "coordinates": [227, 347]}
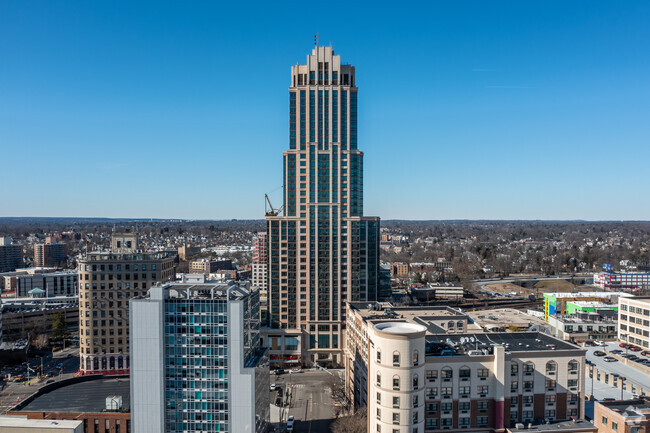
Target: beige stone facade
{"type": "Point", "coordinates": [107, 281]}
{"type": "Point", "coordinates": [634, 320]}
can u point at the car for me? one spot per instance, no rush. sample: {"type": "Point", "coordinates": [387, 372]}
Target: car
{"type": "Point", "coordinates": [635, 349]}
{"type": "Point", "coordinates": [49, 381]}
{"type": "Point", "coordinates": [622, 345]}
{"type": "Point", "coordinates": [279, 371]}
{"type": "Point", "coordinates": [273, 387]}
{"type": "Point", "coordinates": [59, 366]}
{"type": "Point", "coordinates": [295, 370]}
{"type": "Point", "coordinates": [290, 423]}
{"type": "Point", "coordinates": [599, 353]}
{"type": "Point", "coordinates": [610, 359]}
{"type": "Point", "coordinates": [589, 343]}
{"type": "Point", "coordinates": [616, 352]}
{"type": "Point", "coordinates": [645, 353]}
{"type": "Point", "coordinates": [599, 343]}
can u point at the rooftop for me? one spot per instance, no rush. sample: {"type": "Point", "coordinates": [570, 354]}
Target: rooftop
{"type": "Point", "coordinates": [483, 344]}
{"type": "Point", "coordinates": [642, 299]}
{"type": "Point", "coordinates": [400, 328]}
{"type": "Point", "coordinates": [504, 317]}
{"type": "Point", "coordinates": [628, 408]}
{"type": "Point", "coordinates": [580, 425]}
{"type": "Point", "coordinates": [586, 294]}
{"type": "Point", "coordinates": [89, 396]}
{"type": "Point", "coordinates": [594, 304]}
{"type": "Point", "coordinates": [21, 422]}
{"type": "Point", "coordinates": [207, 290]}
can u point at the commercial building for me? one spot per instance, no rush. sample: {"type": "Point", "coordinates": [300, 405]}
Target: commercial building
{"type": "Point", "coordinates": [578, 307]}
{"type": "Point", "coordinates": [634, 320]}
{"type": "Point", "coordinates": [556, 303]}
{"type": "Point", "coordinates": [622, 416]}
{"type": "Point", "coordinates": [11, 256]}
{"type": "Point", "coordinates": [207, 266]}
{"type": "Point", "coordinates": [322, 251]}
{"type": "Point", "coordinates": [21, 424]}
{"type": "Point", "coordinates": [99, 404]}
{"type": "Point", "coordinates": [259, 272]}
{"type": "Point", "coordinates": [107, 280]}
{"type": "Point", "coordinates": [187, 250]}
{"type": "Point", "coordinates": [622, 281]}
{"type": "Point", "coordinates": [49, 253]}
{"type": "Point", "coordinates": [583, 327]}
{"type": "Point", "coordinates": [64, 283]}
{"type": "Point", "coordinates": [198, 364]}
{"type": "Point", "coordinates": [421, 379]}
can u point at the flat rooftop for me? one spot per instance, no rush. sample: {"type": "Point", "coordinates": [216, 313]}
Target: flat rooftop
{"type": "Point", "coordinates": [641, 299]}
{"type": "Point", "coordinates": [20, 422]}
{"type": "Point", "coordinates": [504, 317]}
{"type": "Point", "coordinates": [87, 396]}
{"type": "Point", "coordinates": [636, 407]}
{"type": "Point", "coordinates": [463, 344]}
{"type": "Point", "coordinates": [580, 425]}
{"type": "Point", "coordinates": [587, 294]}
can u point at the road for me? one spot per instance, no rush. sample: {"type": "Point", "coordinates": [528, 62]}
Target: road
{"type": "Point", "coordinates": [310, 400]}
{"type": "Point", "coordinates": [14, 392]}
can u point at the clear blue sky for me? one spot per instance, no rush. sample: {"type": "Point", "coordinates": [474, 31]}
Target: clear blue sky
{"type": "Point", "coordinates": [467, 110]}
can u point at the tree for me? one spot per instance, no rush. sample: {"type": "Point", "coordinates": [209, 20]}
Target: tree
{"type": "Point", "coordinates": [59, 327]}
{"type": "Point", "coordinates": [351, 424]}
{"type": "Point", "coordinates": [41, 341]}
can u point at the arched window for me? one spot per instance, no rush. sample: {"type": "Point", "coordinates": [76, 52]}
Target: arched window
{"type": "Point", "coordinates": [529, 368]}
{"type": "Point", "coordinates": [396, 383]}
{"type": "Point", "coordinates": [450, 325]}
{"type": "Point", "coordinates": [378, 379]}
{"type": "Point", "coordinates": [416, 358]}
{"type": "Point", "coordinates": [460, 324]}
{"type": "Point", "coordinates": [514, 368]}
{"type": "Point", "coordinates": [378, 356]}
{"type": "Point", "coordinates": [573, 366]}
{"type": "Point", "coordinates": [464, 372]}
{"type": "Point", "coordinates": [447, 373]}
{"type": "Point", "coordinates": [396, 359]}
{"type": "Point", "coordinates": [551, 367]}
{"type": "Point", "coordinates": [416, 382]}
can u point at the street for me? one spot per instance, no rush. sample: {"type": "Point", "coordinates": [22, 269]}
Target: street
{"type": "Point", "coordinates": [14, 392]}
{"type": "Point", "coordinates": [310, 400]}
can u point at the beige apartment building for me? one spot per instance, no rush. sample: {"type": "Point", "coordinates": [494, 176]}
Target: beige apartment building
{"type": "Point", "coordinates": [634, 320]}
{"type": "Point", "coordinates": [207, 266]}
{"type": "Point", "coordinates": [398, 269]}
{"type": "Point", "coordinates": [421, 379]}
{"type": "Point", "coordinates": [49, 253]}
{"type": "Point", "coordinates": [107, 280]}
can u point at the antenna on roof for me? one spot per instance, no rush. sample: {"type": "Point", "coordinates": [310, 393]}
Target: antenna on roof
{"type": "Point", "coordinates": [316, 40]}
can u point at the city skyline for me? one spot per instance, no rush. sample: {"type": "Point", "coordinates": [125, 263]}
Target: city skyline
{"type": "Point", "coordinates": [506, 112]}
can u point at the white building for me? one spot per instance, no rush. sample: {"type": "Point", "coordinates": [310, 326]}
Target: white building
{"type": "Point", "coordinates": [634, 320]}
{"type": "Point", "coordinates": [197, 362]}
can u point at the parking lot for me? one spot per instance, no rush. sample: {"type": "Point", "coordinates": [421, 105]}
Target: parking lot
{"type": "Point", "coordinates": [632, 375]}
{"type": "Point", "coordinates": [309, 400]}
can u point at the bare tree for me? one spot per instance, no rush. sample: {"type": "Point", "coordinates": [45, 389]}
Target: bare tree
{"type": "Point", "coordinates": [356, 423]}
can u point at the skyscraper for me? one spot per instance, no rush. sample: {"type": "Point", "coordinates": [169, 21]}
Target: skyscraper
{"type": "Point", "coordinates": [322, 250]}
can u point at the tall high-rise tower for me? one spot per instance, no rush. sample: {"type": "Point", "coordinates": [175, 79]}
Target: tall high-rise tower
{"type": "Point", "coordinates": [322, 251]}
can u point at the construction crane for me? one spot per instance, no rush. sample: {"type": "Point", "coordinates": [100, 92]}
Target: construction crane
{"type": "Point", "coordinates": [269, 211]}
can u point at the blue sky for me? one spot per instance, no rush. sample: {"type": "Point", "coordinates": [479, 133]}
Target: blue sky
{"type": "Point", "coordinates": [467, 110]}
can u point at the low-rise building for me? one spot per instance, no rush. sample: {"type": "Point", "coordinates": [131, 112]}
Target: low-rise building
{"type": "Point", "coordinates": [63, 283]}
{"type": "Point", "coordinates": [622, 281]}
{"type": "Point", "coordinates": [207, 266]}
{"type": "Point", "coordinates": [556, 303]}
{"type": "Point", "coordinates": [622, 416]}
{"type": "Point", "coordinates": [22, 424]}
{"type": "Point", "coordinates": [82, 399]}
{"type": "Point", "coordinates": [399, 269]}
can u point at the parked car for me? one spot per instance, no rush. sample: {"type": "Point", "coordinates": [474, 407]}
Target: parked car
{"type": "Point", "coordinates": [599, 353]}
{"type": "Point", "coordinates": [273, 387]}
{"type": "Point", "coordinates": [645, 353]}
{"type": "Point", "coordinates": [279, 371]}
{"type": "Point", "coordinates": [616, 352]}
{"type": "Point", "coordinates": [635, 349]}
{"type": "Point", "coordinates": [290, 423]}
{"type": "Point", "coordinates": [610, 359]}
{"type": "Point", "coordinates": [295, 370]}
{"type": "Point", "coordinates": [599, 343]}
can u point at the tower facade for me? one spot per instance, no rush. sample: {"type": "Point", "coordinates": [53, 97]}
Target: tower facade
{"type": "Point", "coordinates": [322, 251]}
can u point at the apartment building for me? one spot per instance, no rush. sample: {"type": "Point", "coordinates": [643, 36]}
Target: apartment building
{"type": "Point", "coordinates": [622, 416]}
{"type": "Point", "coordinates": [420, 379]}
{"type": "Point", "coordinates": [399, 269]}
{"type": "Point", "coordinates": [11, 256]}
{"type": "Point", "coordinates": [198, 363]}
{"type": "Point", "coordinates": [323, 252]}
{"type": "Point", "coordinates": [49, 253]}
{"type": "Point", "coordinates": [107, 280]}
{"type": "Point", "coordinates": [634, 320]}
{"type": "Point", "coordinates": [361, 316]}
